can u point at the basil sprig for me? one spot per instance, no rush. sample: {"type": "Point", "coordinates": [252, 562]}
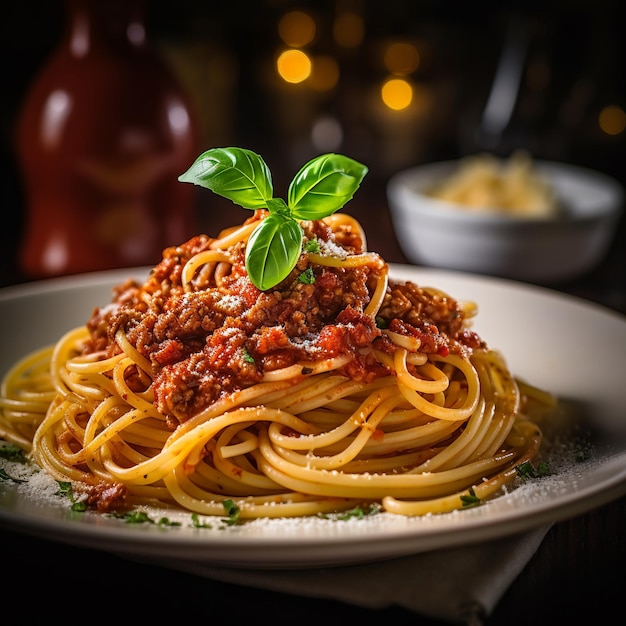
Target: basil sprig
{"type": "Point", "coordinates": [321, 187]}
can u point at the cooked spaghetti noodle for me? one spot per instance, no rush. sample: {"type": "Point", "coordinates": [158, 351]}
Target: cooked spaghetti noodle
{"type": "Point", "coordinates": [338, 388]}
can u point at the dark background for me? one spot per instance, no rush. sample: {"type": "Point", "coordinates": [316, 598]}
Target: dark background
{"type": "Point", "coordinates": [223, 52]}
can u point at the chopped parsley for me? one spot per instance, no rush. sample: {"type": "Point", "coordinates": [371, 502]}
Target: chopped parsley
{"type": "Point", "coordinates": [312, 245]}
{"type": "Point", "coordinates": [247, 357]}
{"type": "Point", "coordinates": [526, 470]}
{"type": "Point", "coordinates": [359, 512]}
{"type": "Point", "coordinates": [140, 517]}
{"type": "Point", "coordinates": [11, 452]}
{"type": "Point", "coordinates": [381, 322]}
{"type": "Point", "coordinates": [233, 512]}
{"type": "Point", "coordinates": [583, 451]}
{"type": "Point", "coordinates": [470, 500]}
{"type": "Point", "coordinates": [196, 523]}
{"type": "Point", "coordinates": [5, 476]}
{"type": "Point", "coordinates": [307, 277]}
{"type": "Point", "coordinates": [65, 488]}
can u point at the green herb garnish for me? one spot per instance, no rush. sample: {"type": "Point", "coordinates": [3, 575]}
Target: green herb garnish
{"type": "Point", "coordinates": [381, 322]}
{"type": "Point", "coordinates": [233, 512]}
{"type": "Point", "coordinates": [307, 277]}
{"type": "Point", "coordinates": [196, 523]}
{"type": "Point", "coordinates": [65, 488]}
{"type": "Point", "coordinates": [312, 245]}
{"type": "Point", "coordinates": [583, 451]}
{"type": "Point", "coordinates": [141, 517]}
{"type": "Point", "coordinates": [247, 357]}
{"type": "Point", "coordinates": [359, 512]}
{"type": "Point", "coordinates": [526, 470]}
{"type": "Point", "coordinates": [321, 187]}
{"type": "Point", "coordinates": [543, 469]}
{"type": "Point", "coordinates": [470, 500]}
{"type": "Point", "coordinates": [11, 452]}
{"type": "Point", "coordinates": [4, 475]}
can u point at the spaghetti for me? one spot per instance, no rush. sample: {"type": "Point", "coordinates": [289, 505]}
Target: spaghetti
{"type": "Point", "coordinates": [338, 388]}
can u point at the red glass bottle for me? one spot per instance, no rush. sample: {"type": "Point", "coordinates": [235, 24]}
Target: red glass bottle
{"type": "Point", "coordinates": [102, 137]}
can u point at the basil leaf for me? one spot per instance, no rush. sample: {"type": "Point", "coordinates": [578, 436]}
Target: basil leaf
{"type": "Point", "coordinates": [273, 249]}
{"type": "Point", "coordinates": [319, 189]}
{"type": "Point", "coordinates": [278, 205]}
{"type": "Point", "coordinates": [235, 173]}
{"type": "Point", "coordinates": [324, 185]}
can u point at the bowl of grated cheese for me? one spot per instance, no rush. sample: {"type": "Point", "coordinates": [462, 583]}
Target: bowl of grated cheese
{"type": "Point", "coordinates": [529, 220]}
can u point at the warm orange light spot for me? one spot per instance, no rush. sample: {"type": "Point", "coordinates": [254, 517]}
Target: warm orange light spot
{"type": "Point", "coordinates": [396, 93]}
{"type": "Point", "coordinates": [293, 66]}
{"type": "Point", "coordinates": [612, 120]}
{"type": "Point", "coordinates": [348, 29]}
{"type": "Point", "coordinates": [296, 28]}
{"type": "Point", "coordinates": [401, 58]}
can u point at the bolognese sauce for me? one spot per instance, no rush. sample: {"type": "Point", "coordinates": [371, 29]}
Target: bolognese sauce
{"type": "Point", "coordinates": [206, 344]}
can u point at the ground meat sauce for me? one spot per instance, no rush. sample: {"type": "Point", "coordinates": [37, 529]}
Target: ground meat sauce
{"type": "Point", "coordinates": [219, 338]}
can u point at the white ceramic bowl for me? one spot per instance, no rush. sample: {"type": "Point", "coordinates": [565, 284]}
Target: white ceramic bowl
{"type": "Point", "coordinates": [442, 234]}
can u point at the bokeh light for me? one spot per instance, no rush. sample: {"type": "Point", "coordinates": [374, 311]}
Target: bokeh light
{"type": "Point", "coordinates": [401, 58]}
{"type": "Point", "coordinates": [612, 120]}
{"type": "Point", "coordinates": [297, 29]}
{"type": "Point", "coordinates": [327, 134]}
{"type": "Point", "coordinates": [396, 93]}
{"type": "Point", "coordinates": [294, 66]}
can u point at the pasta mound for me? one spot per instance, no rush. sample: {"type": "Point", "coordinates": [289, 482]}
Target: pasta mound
{"type": "Point", "coordinates": [339, 387]}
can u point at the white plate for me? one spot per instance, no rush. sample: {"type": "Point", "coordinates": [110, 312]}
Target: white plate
{"type": "Point", "coordinates": [573, 348]}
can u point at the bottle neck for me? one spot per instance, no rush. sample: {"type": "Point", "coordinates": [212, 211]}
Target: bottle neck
{"type": "Point", "coordinates": [117, 25]}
